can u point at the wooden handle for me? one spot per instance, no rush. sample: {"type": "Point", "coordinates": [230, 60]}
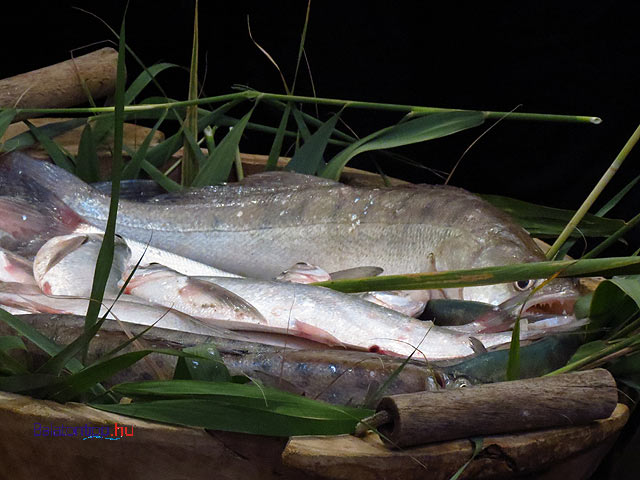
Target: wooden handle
{"type": "Point", "coordinates": [60, 85]}
{"type": "Point", "coordinates": [562, 400]}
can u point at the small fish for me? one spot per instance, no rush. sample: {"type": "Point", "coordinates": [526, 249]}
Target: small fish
{"type": "Point", "coordinates": [65, 265]}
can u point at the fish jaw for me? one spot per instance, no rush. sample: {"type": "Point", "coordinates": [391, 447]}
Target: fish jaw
{"type": "Point", "coordinates": [557, 299]}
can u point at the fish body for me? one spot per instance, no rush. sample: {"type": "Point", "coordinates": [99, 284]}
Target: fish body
{"type": "Point", "coordinates": [259, 227]}
{"type": "Point", "coordinates": [322, 315]}
{"type": "Point", "coordinates": [29, 298]}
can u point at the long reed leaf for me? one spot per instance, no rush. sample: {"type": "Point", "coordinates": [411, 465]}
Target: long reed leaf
{"type": "Point", "coordinates": [144, 79]}
{"type": "Point", "coordinates": [542, 221]}
{"type": "Point", "coordinates": [217, 167]}
{"type": "Point", "coordinates": [87, 161]}
{"type": "Point", "coordinates": [489, 275]}
{"type": "Point", "coordinates": [51, 147]}
{"type": "Point", "coordinates": [420, 129]}
{"type": "Point", "coordinates": [308, 158]}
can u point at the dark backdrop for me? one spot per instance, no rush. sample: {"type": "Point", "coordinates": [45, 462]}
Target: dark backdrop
{"type": "Point", "coordinates": [565, 57]}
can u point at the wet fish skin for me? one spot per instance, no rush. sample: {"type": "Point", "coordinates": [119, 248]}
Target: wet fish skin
{"type": "Point", "coordinates": [274, 220]}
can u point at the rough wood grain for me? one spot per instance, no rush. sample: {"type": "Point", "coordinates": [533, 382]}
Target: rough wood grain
{"type": "Point", "coordinates": [503, 456]}
{"type": "Point", "coordinates": [575, 398]}
{"type": "Point", "coordinates": [154, 450]}
{"type": "Point", "coordinates": [60, 85]}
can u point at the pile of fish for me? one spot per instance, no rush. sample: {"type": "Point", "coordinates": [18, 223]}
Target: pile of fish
{"type": "Point", "coordinates": [236, 260]}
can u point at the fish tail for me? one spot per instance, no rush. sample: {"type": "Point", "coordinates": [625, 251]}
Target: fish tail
{"type": "Point", "coordinates": [32, 208]}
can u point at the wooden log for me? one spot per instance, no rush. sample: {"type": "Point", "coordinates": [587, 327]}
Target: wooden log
{"type": "Point", "coordinates": [60, 85]}
{"type": "Point", "coordinates": [571, 399]}
{"type": "Point", "coordinates": [573, 452]}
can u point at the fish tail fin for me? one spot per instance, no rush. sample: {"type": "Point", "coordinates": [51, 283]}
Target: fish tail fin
{"type": "Point", "coordinates": [32, 208]}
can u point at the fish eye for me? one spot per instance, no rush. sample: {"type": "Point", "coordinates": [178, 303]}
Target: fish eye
{"type": "Point", "coordinates": [523, 285]}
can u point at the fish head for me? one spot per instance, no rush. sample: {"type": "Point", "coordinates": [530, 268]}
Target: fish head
{"type": "Point", "coordinates": [65, 264]}
{"type": "Point", "coordinates": [525, 296]}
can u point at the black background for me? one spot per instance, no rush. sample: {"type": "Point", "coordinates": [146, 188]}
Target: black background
{"type": "Point", "coordinates": [554, 57]}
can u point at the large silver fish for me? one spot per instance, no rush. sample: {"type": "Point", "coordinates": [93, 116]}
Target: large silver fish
{"type": "Point", "coordinates": [261, 226]}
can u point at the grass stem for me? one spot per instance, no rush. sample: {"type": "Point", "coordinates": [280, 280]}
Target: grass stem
{"type": "Point", "coordinates": [597, 190]}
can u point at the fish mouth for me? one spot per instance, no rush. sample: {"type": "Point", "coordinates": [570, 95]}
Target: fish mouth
{"type": "Point", "coordinates": [553, 304]}
{"type": "Point", "coordinates": [525, 305]}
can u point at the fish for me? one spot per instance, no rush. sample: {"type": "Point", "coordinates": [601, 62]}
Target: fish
{"type": "Point", "coordinates": [65, 265]}
{"type": "Point", "coordinates": [334, 376]}
{"type": "Point", "coordinates": [29, 298]}
{"type": "Point", "coordinates": [399, 301]}
{"type": "Point", "coordinates": [255, 228]}
{"type": "Point", "coordinates": [319, 314]}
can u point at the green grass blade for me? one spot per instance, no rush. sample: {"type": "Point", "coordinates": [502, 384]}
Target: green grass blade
{"type": "Point", "coordinates": [595, 193]}
{"type": "Point", "coordinates": [513, 364]}
{"type": "Point", "coordinates": [192, 157]}
{"type": "Point", "coordinates": [617, 197]}
{"type": "Point", "coordinates": [27, 383]}
{"type": "Point", "coordinates": [613, 303]}
{"type": "Point", "coordinates": [490, 275]}
{"type": "Point", "coordinates": [217, 167]}
{"type": "Point", "coordinates": [542, 221]}
{"type": "Point", "coordinates": [57, 362]}
{"type": "Point", "coordinates": [6, 117]}
{"type": "Point", "coordinates": [51, 130]}
{"type": "Point", "coordinates": [8, 364]}
{"type": "Point", "coordinates": [219, 415]}
{"type": "Point", "coordinates": [105, 255]}
{"type": "Point", "coordinates": [87, 162]}
{"type": "Point", "coordinates": [303, 129]}
{"type": "Point", "coordinates": [160, 178]}
{"type": "Point", "coordinates": [51, 147]}
{"type": "Point", "coordinates": [419, 129]}
{"type": "Point", "coordinates": [11, 342]}
{"type": "Point", "coordinates": [276, 146]}
{"type": "Point", "coordinates": [132, 168]}
{"type": "Point", "coordinates": [11, 366]}
{"type": "Point", "coordinates": [81, 381]}
{"type": "Point", "coordinates": [303, 37]}
{"type": "Point", "coordinates": [143, 80]}
{"type": "Point", "coordinates": [308, 158]}
{"type": "Point", "coordinates": [207, 364]}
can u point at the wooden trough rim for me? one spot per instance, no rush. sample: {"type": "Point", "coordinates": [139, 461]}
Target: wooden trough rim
{"type": "Point", "coordinates": [157, 450]}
